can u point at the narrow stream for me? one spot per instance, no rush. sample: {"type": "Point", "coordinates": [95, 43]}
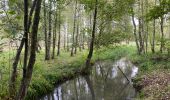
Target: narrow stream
{"type": "Point", "coordinates": [106, 82]}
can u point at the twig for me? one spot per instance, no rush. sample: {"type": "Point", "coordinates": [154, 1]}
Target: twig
{"type": "Point", "coordinates": [123, 73]}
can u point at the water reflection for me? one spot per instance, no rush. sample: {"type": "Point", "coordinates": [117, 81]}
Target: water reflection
{"type": "Point", "coordinates": [105, 83]}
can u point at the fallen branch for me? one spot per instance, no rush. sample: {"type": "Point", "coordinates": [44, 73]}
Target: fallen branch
{"type": "Point", "coordinates": [123, 74]}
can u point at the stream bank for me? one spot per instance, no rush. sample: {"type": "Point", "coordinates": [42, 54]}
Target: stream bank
{"type": "Point", "coordinates": [153, 80]}
{"type": "Point", "coordinates": [106, 81]}
{"type": "Point", "coordinates": [49, 74]}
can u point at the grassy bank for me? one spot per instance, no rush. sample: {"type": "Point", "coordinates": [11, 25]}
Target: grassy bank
{"type": "Point", "coordinates": [49, 73]}
{"type": "Point", "coordinates": [153, 80]}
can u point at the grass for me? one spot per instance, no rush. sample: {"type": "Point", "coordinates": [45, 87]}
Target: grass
{"type": "Point", "coordinates": [47, 74]}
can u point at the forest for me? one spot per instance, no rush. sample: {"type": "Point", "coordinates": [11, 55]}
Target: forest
{"type": "Point", "coordinates": [84, 49]}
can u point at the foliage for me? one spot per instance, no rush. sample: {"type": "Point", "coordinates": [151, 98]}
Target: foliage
{"type": "Point", "coordinates": [159, 10]}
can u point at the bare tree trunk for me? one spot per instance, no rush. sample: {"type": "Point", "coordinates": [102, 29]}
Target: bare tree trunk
{"type": "Point", "coordinates": [162, 34]}
{"type": "Point", "coordinates": [54, 35]}
{"type": "Point", "coordinates": [140, 37]}
{"type": "Point", "coordinates": [12, 87]}
{"type": "Point", "coordinates": [26, 39]}
{"type": "Point", "coordinates": [142, 27]}
{"type": "Point", "coordinates": [49, 33]}
{"type": "Point", "coordinates": [65, 38]}
{"type": "Point", "coordinates": [26, 80]}
{"type": "Point", "coordinates": [92, 38]}
{"type": "Point", "coordinates": [83, 40]}
{"type": "Point", "coordinates": [134, 32]}
{"type": "Point", "coordinates": [147, 27]}
{"type": "Point", "coordinates": [59, 34]}
{"type": "Point", "coordinates": [45, 31]}
{"type": "Point", "coordinates": [67, 35]}
{"type": "Point", "coordinates": [77, 35]}
{"type": "Point", "coordinates": [153, 38]}
{"type": "Point", "coordinates": [65, 41]}
{"type": "Point", "coordinates": [74, 29]}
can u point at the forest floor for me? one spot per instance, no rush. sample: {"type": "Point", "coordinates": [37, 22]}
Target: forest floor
{"type": "Point", "coordinates": [153, 81]}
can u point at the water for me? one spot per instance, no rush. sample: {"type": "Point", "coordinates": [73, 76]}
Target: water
{"type": "Point", "coordinates": [106, 82]}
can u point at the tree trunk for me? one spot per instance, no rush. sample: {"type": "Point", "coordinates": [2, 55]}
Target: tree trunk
{"type": "Point", "coordinates": [12, 88]}
{"type": "Point", "coordinates": [153, 38]}
{"type": "Point", "coordinates": [67, 35]}
{"type": "Point", "coordinates": [45, 31]}
{"type": "Point", "coordinates": [54, 35]}
{"type": "Point", "coordinates": [59, 33]}
{"type": "Point", "coordinates": [26, 39]}
{"type": "Point", "coordinates": [147, 27]}
{"type": "Point", "coordinates": [49, 33]}
{"type": "Point", "coordinates": [162, 34]}
{"type": "Point", "coordinates": [134, 32]}
{"type": "Point", "coordinates": [92, 38]}
{"type": "Point", "coordinates": [140, 37]}
{"type": "Point", "coordinates": [26, 80]}
{"type": "Point", "coordinates": [74, 29]}
{"type": "Point", "coordinates": [77, 35]}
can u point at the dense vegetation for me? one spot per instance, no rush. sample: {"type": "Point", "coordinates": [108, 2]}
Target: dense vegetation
{"type": "Point", "coordinates": [45, 42]}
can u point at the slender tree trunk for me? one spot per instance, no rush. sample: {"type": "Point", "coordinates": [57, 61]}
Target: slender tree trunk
{"type": "Point", "coordinates": [26, 81]}
{"type": "Point", "coordinates": [65, 41]}
{"type": "Point", "coordinates": [83, 40]}
{"type": "Point", "coordinates": [153, 38]}
{"type": "Point", "coordinates": [67, 35]}
{"type": "Point", "coordinates": [77, 35]}
{"type": "Point", "coordinates": [12, 87]}
{"type": "Point", "coordinates": [49, 33]}
{"type": "Point", "coordinates": [54, 35]}
{"type": "Point", "coordinates": [140, 37]}
{"type": "Point", "coordinates": [45, 31]}
{"type": "Point", "coordinates": [26, 39]}
{"type": "Point", "coordinates": [30, 21]}
{"type": "Point", "coordinates": [135, 33]}
{"type": "Point", "coordinates": [147, 27]}
{"type": "Point", "coordinates": [142, 27]}
{"type": "Point", "coordinates": [59, 34]}
{"type": "Point", "coordinates": [162, 34]}
{"type": "Point", "coordinates": [90, 26]}
{"type": "Point", "coordinates": [74, 29]}
{"type": "Point", "coordinates": [92, 38]}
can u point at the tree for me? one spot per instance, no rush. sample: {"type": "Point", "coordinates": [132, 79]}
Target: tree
{"type": "Point", "coordinates": [27, 78]}
{"type": "Point", "coordinates": [54, 32]}
{"type": "Point", "coordinates": [92, 38]}
{"type": "Point", "coordinates": [74, 29]}
{"type": "Point", "coordinates": [12, 87]}
{"type": "Point", "coordinates": [45, 31]}
{"type": "Point", "coordinates": [50, 28]}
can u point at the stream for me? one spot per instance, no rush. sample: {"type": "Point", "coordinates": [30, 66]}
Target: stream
{"type": "Point", "coordinates": [106, 82]}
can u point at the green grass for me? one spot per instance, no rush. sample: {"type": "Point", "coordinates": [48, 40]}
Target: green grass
{"type": "Point", "coordinates": [48, 73]}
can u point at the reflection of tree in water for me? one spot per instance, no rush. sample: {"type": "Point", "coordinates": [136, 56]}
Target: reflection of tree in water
{"type": "Point", "coordinates": [106, 82]}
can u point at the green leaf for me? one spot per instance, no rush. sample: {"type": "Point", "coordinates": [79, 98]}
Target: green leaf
{"type": "Point", "coordinates": [11, 12]}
